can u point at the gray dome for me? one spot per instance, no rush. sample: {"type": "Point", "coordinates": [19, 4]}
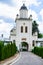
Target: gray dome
{"type": "Point", "coordinates": [23, 7]}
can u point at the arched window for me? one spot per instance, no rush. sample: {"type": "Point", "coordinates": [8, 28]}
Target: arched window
{"type": "Point", "coordinates": [33, 43]}
{"type": "Point", "coordinates": [21, 29]}
{"type": "Point", "coordinates": [26, 29]}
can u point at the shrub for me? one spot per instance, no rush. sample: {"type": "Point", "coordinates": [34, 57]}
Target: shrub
{"type": "Point", "coordinates": [7, 51]}
{"type": "Point", "coordinates": [1, 49]}
{"type": "Point", "coordinates": [38, 51]}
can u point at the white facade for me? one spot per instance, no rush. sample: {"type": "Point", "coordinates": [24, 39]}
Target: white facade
{"type": "Point", "coordinates": [27, 35]}
{"type": "Point", "coordinates": [23, 14]}
{"type": "Point", "coordinates": [13, 34]}
{"type": "Point", "coordinates": [23, 21]}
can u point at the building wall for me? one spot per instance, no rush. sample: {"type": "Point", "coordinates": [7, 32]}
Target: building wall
{"type": "Point", "coordinates": [23, 14]}
{"type": "Point", "coordinates": [20, 35]}
{"type": "Point", "coordinates": [35, 36]}
{"type": "Point", "coordinates": [13, 35]}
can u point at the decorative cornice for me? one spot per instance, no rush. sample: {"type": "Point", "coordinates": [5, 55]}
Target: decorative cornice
{"type": "Point", "coordinates": [23, 19]}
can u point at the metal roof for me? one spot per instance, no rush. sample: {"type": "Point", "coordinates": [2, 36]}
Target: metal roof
{"type": "Point", "coordinates": [23, 7]}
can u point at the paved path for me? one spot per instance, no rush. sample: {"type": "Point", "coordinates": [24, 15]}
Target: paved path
{"type": "Point", "coordinates": [27, 58]}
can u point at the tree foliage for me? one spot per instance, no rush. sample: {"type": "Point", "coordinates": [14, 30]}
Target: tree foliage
{"type": "Point", "coordinates": [40, 35]}
{"type": "Point", "coordinates": [7, 51]}
{"type": "Point", "coordinates": [38, 51]}
{"type": "Point", "coordinates": [34, 27]}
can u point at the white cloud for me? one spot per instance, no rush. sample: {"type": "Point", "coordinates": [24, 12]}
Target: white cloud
{"type": "Point", "coordinates": [34, 2]}
{"type": "Point", "coordinates": [41, 13]}
{"type": "Point", "coordinates": [34, 14]}
{"type": "Point", "coordinates": [27, 2]}
{"type": "Point", "coordinates": [40, 26]}
{"type": "Point", "coordinates": [41, 23]}
{"type": "Point", "coordinates": [8, 11]}
{"type": "Point", "coordinates": [5, 27]}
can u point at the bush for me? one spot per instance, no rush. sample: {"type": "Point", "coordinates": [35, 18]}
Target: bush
{"type": "Point", "coordinates": [38, 51]}
{"type": "Point", "coordinates": [7, 51]}
{"type": "Point", "coordinates": [1, 49]}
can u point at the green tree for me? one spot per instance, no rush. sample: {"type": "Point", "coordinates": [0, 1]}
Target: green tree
{"type": "Point", "coordinates": [34, 27]}
{"type": "Point", "coordinates": [40, 35]}
{"type": "Point", "coordinates": [1, 49]}
{"type": "Point", "coordinates": [7, 51]}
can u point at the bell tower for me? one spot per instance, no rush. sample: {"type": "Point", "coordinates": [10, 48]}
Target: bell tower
{"type": "Point", "coordinates": [24, 28]}
{"type": "Point", "coordinates": [23, 12]}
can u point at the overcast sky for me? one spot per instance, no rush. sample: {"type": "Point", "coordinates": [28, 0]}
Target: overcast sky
{"type": "Point", "coordinates": [9, 9]}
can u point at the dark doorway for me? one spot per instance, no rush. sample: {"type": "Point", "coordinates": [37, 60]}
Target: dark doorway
{"type": "Point", "coordinates": [24, 46]}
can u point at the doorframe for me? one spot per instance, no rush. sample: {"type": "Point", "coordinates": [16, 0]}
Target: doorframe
{"type": "Point", "coordinates": [21, 46]}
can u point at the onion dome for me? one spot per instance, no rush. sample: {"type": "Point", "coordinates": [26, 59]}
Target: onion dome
{"type": "Point", "coordinates": [23, 7]}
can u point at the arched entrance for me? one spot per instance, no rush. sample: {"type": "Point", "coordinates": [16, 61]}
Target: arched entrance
{"type": "Point", "coordinates": [24, 46]}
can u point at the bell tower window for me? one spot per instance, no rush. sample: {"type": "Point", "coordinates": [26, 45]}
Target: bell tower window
{"type": "Point", "coordinates": [26, 29]}
{"type": "Point", "coordinates": [21, 29]}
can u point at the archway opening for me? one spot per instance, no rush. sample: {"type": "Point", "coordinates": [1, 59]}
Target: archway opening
{"type": "Point", "coordinates": [24, 46]}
